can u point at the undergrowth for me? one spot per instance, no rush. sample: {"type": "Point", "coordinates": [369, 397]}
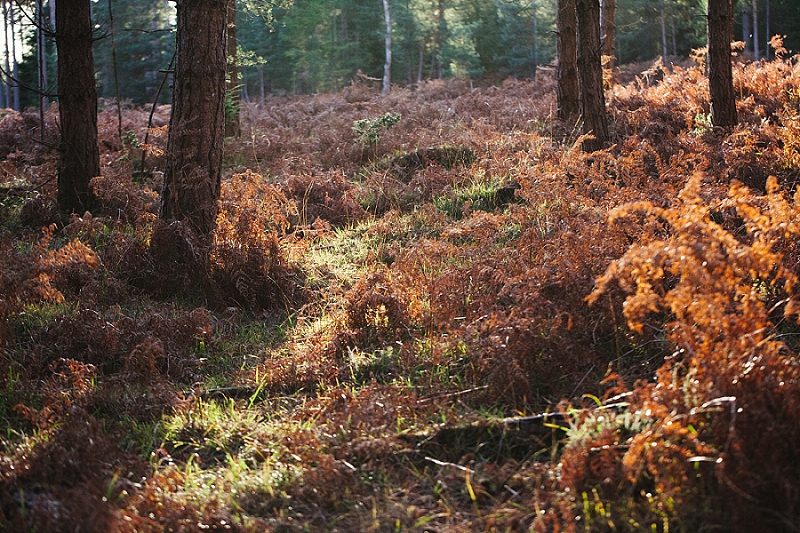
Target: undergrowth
{"type": "Point", "coordinates": [370, 343]}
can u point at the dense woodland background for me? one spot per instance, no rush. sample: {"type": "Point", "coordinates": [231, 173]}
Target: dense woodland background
{"type": "Point", "coordinates": [288, 47]}
{"type": "Point", "coordinates": [425, 310]}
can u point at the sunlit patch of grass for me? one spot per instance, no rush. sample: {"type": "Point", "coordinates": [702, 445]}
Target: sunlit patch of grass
{"type": "Point", "coordinates": [240, 343]}
{"type": "Point", "coordinates": [478, 194]}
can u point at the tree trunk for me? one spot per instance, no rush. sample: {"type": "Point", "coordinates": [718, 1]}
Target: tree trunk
{"type": "Point", "coordinates": [535, 66]}
{"type": "Point", "coordinates": [672, 29]}
{"type": "Point", "coordinates": [233, 95]}
{"type": "Point", "coordinates": [441, 31]}
{"type": "Point", "coordinates": [9, 102]}
{"type": "Point", "coordinates": [663, 36]}
{"type": "Point", "coordinates": [14, 62]}
{"type": "Point", "coordinates": [261, 86]}
{"type": "Point", "coordinates": [80, 158]}
{"type": "Point", "coordinates": [196, 130]}
{"type": "Point", "coordinates": [115, 70]}
{"type": "Point", "coordinates": [747, 26]}
{"type": "Point", "coordinates": [766, 31]}
{"type": "Point", "coordinates": [756, 44]}
{"type": "Point", "coordinates": [608, 34]}
{"type": "Point", "coordinates": [720, 34]}
{"type": "Point", "coordinates": [421, 63]}
{"type": "Point", "coordinates": [567, 72]}
{"type": "Point", "coordinates": [590, 75]}
{"type": "Point", "coordinates": [387, 44]}
{"type": "Point", "coordinates": [41, 62]}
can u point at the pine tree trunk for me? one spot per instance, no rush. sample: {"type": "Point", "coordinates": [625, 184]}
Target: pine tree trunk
{"type": "Point", "coordinates": [590, 75]}
{"type": "Point", "coordinates": [720, 35]}
{"type": "Point", "coordinates": [567, 73]}
{"type": "Point", "coordinates": [196, 130]}
{"type": "Point", "coordinates": [233, 95]}
{"type": "Point", "coordinates": [80, 157]}
{"type": "Point", "coordinates": [608, 34]}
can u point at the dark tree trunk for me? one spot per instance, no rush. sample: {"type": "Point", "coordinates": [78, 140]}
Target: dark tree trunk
{"type": "Point", "coordinates": [766, 31]}
{"type": "Point", "coordinates": [608, 31]}
{"type": "Point", "coordinates": [233, 98]}
{"type": "Point", "coordinates": [590, 75]}
{"type": "Point", "coordinates": [196, 129]}
{"type": "Point", "coordinates": [720, 35]}
{"type": "Point", "coordinates": [77, 106]}
{"type": "Point", "coordinates": [567, 72]}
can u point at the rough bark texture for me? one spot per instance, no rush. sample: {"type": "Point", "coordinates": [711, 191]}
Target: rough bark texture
{"type": "Point", "coordinates": [590, 75]}
{"type": "Point", "coordinates": [720, 35]}
{"type": "Point", "coordinates": [80, 157]}
{"type": "Point", "coordinates": [232, 125]}
{"type": "Point", "coordinates": [608, 29]}
{"type": "Point", "coordinates": [567, 72]}
{"type": "Point", "coordinates": [196, 129]}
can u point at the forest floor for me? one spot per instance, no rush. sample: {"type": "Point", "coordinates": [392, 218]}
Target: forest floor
{"type": "Point", "coordinates": [429, 311]}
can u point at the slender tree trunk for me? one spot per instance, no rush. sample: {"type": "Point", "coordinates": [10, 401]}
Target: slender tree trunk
{"type": "Point", "coordinates": [720, 34]}
{"type": "Point", "coordinates": [15, 63]}
{"type": "Point", "coordinates": [590, 75]}
{"type": "Point", "coordinates": [80, 158]}
{"type": "Point", "coordinates": [41, 60]}
{"type": "Point", "coordinates": [756, 44]}
{"type": "Point", "coordinates": [197, 125]}
{"type": "Point", "coordinates": [8, 82]}
{"type": "Point", "coordinates": [608, 34]}
{"type": "Point", "coordinates": [535, 42]}
{"type": "Point", "coordinates": [567, 90]}
{"type": "Point", "coordinates": [387, 45]}
{"type": "Point", "coordinates": [115, 70]}
{"type": "Point", "coordinates": [244, 91]}
{"type": "Point", "coordinates": [747, 26]}
{"type": "Point", "coordinates": [766, 31]}
{"type": "Point", "coordinates": [233, 90]}
{"type": "Point", "coordinates": [672, 29]}
{"type": "Point", "coordinates": [441, 30]}
{"type": "Point", "coordinates": [663, 36]}
{"type": "Point", "coordinates": [421, 63]}
{"type": "Point", "coordinates": [261, 85]}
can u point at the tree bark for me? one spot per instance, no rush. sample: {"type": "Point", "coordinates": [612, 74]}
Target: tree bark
{"type": "Point", "coordinates": [720, 35]}
{"type": "Point", "coordinates": [567, 90]}
{"type": "Point", "coordinates": [590, 75]}
{"type": "Point", "coordinates": [233, 94]}
{"type": "Point", "coordinates": [80, 157]}
{"type": "Point", "coordinates": [608, 34]}
{"type": "Point", "coordinates": [756, 44]}
{"type": "Point", "coordinates": [196, 130]}
{"type": "Point", "coordinates": [387, 44]}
